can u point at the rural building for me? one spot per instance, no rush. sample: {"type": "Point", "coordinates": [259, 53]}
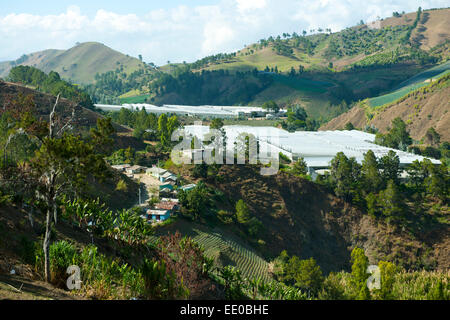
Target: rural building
{"type": "Point", "coordinates": [167, 193]}
{"type": "Point", "coordinates": [120, 167]}
{"type": "Point", "coordinates": [162, 174]}
{"type": "Point", "coordinates": [135, 169]}
{"type": "Point", "coordinates": [188, 187]}
{"type": "Point", "coordinates": [203, 111]}
{"type": "Point", "coordinates": [317, 148]}
{"type": "Point", "coordinates": [168, 177]}
{"type": "Point", "coordinates": [170, 200]}
{"type": "Point", "coordinates": [166, 186]}
{"type": "Point", "coordinates": [172, 207]}
{"type": "Point", "coordinates": [156, 172]}
{"type": "Point", "coordinates": [158, 214]}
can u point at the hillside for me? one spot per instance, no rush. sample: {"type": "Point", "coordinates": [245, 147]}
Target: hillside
{"type": "Point", "coordinates": [79, 64]}
{"type": "Point", "coordinates": [318, 71]}
{"type": "Point", "coordinates": [85, 119]}
{"type": "Point", "coordinates": [420, 109]}
{"type": "Point", "coordinates": [308, 221]}
{"type": "Point", "coordinates": [342, 49]}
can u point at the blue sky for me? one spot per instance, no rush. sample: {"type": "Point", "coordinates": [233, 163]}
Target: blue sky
{"type": "Point", "coordinates": [177, 30]}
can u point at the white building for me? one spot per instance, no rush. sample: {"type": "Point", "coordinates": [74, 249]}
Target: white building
{"type": "Point", "coordinates": [318, 148]}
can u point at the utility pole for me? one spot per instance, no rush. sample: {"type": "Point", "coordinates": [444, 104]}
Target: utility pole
{"type": "Point", "coordinates": [139, 194]}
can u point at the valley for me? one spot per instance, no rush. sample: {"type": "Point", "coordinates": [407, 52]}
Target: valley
{"type": "Point", "coordinates": [309, 158]}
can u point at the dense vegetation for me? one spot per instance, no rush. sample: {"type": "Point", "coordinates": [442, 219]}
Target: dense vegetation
{"type": "Point", "coordinates": [51, 83]}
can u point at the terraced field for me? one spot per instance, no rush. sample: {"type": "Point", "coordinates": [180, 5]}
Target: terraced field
{"type": "Point", "coordinates": [418, 81]}
{"type": "Point", "coordinates": [224, 249]}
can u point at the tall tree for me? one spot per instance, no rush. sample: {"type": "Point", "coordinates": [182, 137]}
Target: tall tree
{"type": "Point", "coordinates": [370, 173]}
{"type": "Point", "coordinates": [300, 168]}
{"type": "Point", "coordinates": [390, 167]}
{"type": "Point", "coordinates": [392, 203]}
{"type": "Point", "coordinates": [345, 175]}
{"type": "Point", "coordinates": [162, 128]}
{"type": "Point", "coordinates": [359, 273]}
{"type": "Point", "coordinates": [61, 164]}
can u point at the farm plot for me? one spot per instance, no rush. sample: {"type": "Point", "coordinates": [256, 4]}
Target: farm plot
{"type": "Point", "coordinates": [411, 84]}
{"type": "Point", "coordinates": [225, 250]}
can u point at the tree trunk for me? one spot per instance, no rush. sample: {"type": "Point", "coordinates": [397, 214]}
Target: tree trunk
{"type": "Point", "coordinates": [46, 245]}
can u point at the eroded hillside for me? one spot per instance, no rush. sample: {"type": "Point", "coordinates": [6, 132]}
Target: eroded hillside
{"type": "Point", "coordinates": [421, 109]}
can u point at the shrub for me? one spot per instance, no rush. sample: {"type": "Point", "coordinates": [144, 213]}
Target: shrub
{"type": "Point", "coordinates": [62, 255]}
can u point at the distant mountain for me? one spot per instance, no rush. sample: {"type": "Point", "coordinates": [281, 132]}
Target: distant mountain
{"type": "Point", "coordinates": [424, 31]}
{"type": "Point", "coordinates": [79, 64]}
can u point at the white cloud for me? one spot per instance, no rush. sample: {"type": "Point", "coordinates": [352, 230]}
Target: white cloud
{"type": "Point", "coordinates": [245, 5]}
{"type": "Point", "coordinates": [189, 32]}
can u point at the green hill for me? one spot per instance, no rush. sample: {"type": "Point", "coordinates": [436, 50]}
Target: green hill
{"type": "Point", "coordinates": [420, 80]}
{"type": "Point", "coordinates": [79, 64]}
{"type": "Point", "coordinates": [425, 30]}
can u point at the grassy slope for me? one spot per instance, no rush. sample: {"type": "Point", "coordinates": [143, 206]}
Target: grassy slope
{"type": "Point", "coordinates": [81, 63]}
{"type": "Point", "coordinates": [421, 109]}
{"type": "Point", "coordinates": [420, 80]}
{"type": "Point", "coordinates": [316, 91]}
{"type": "Point", "coordinates": [85, 120]}
{"type": "Point", "coordinates": [432, 30]}
{"type": "Point", "coordinates": [34, 60]}
{"type": "Point", "coordinates": [307, 221]}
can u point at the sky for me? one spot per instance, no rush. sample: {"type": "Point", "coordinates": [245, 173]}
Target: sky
{"type": "Point", "coordinates": [178, 30]}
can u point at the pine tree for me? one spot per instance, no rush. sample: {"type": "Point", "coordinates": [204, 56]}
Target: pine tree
{"type": "Point", "coordinates": [370, 173]}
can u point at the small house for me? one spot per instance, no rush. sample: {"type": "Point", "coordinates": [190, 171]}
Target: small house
{"type": "Point", "coordinates": [158, 214]}
{"type": "Point", "coordinates": [135, 169]}
{"type": "Point", "coordinates": [166, 186]}
{"type": "Point", "coordinates": [167, 176]}
{"type": "Point", "coordinates": [170, 200]}
{"type": "Point", "coordinates": [167, 205]}
{"type": "Point", "coordinates": [188, 187]}
{"type": "Point", "coordinates": [120, 167]}
{"type": "Point", "coordinates": [156, 172]}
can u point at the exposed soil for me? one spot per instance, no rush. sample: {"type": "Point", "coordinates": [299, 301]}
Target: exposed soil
{"type": "Point", "coordinates": [420, 111]}
{"type": "Point", "coordinates": [306, 220]}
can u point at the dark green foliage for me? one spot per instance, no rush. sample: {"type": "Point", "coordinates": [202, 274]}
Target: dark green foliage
{"type": "Point", "coordinates": [124, 156]}
{"type": "Point", "coordinates": [160, 284]}
{"type": "Point", "coordinates": [349, 126]}
{"type": "Point", "coordinates": [392, 203]}
{"type": "Point", "coordinates": [271, 106]}
{"type": "Point", "coordinates": [298, 120]}
{"type": "Point", "coordinates": [306, 274]}
{"type": "Point", "coordinates": [208, 87]}
{"type": "Point", "coordinates": [359, 274]}
{"type": "Point", "coordinates": [300, 168]}
{"type": "Point", "coordinates": [397, 137]}
{"type": "Point", "coordinates": [195, 202]}
{"type": "Point", "coordinates": [216, 123]}
{"type": "Point", "coordinates": [200, 170]}
{"type": "Point", "coordinates": [233, 283]}
{"type": "Point", "coordinates": [62, 255]}
{"type": "Point", "coordinates": [345, 176]}
{"type": "Point", "coordinates": [432, 137]}
{"type": "Point", "coordinates": [102, 135]}
{"type": "Point", "coordinates": [390, 165]}
{"type": "Point", "coordinates": [370, 172]}
{"type": "Point", "coordinates": [242, 212]}
{"type": "Point", "coordinates": [50, 83]}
